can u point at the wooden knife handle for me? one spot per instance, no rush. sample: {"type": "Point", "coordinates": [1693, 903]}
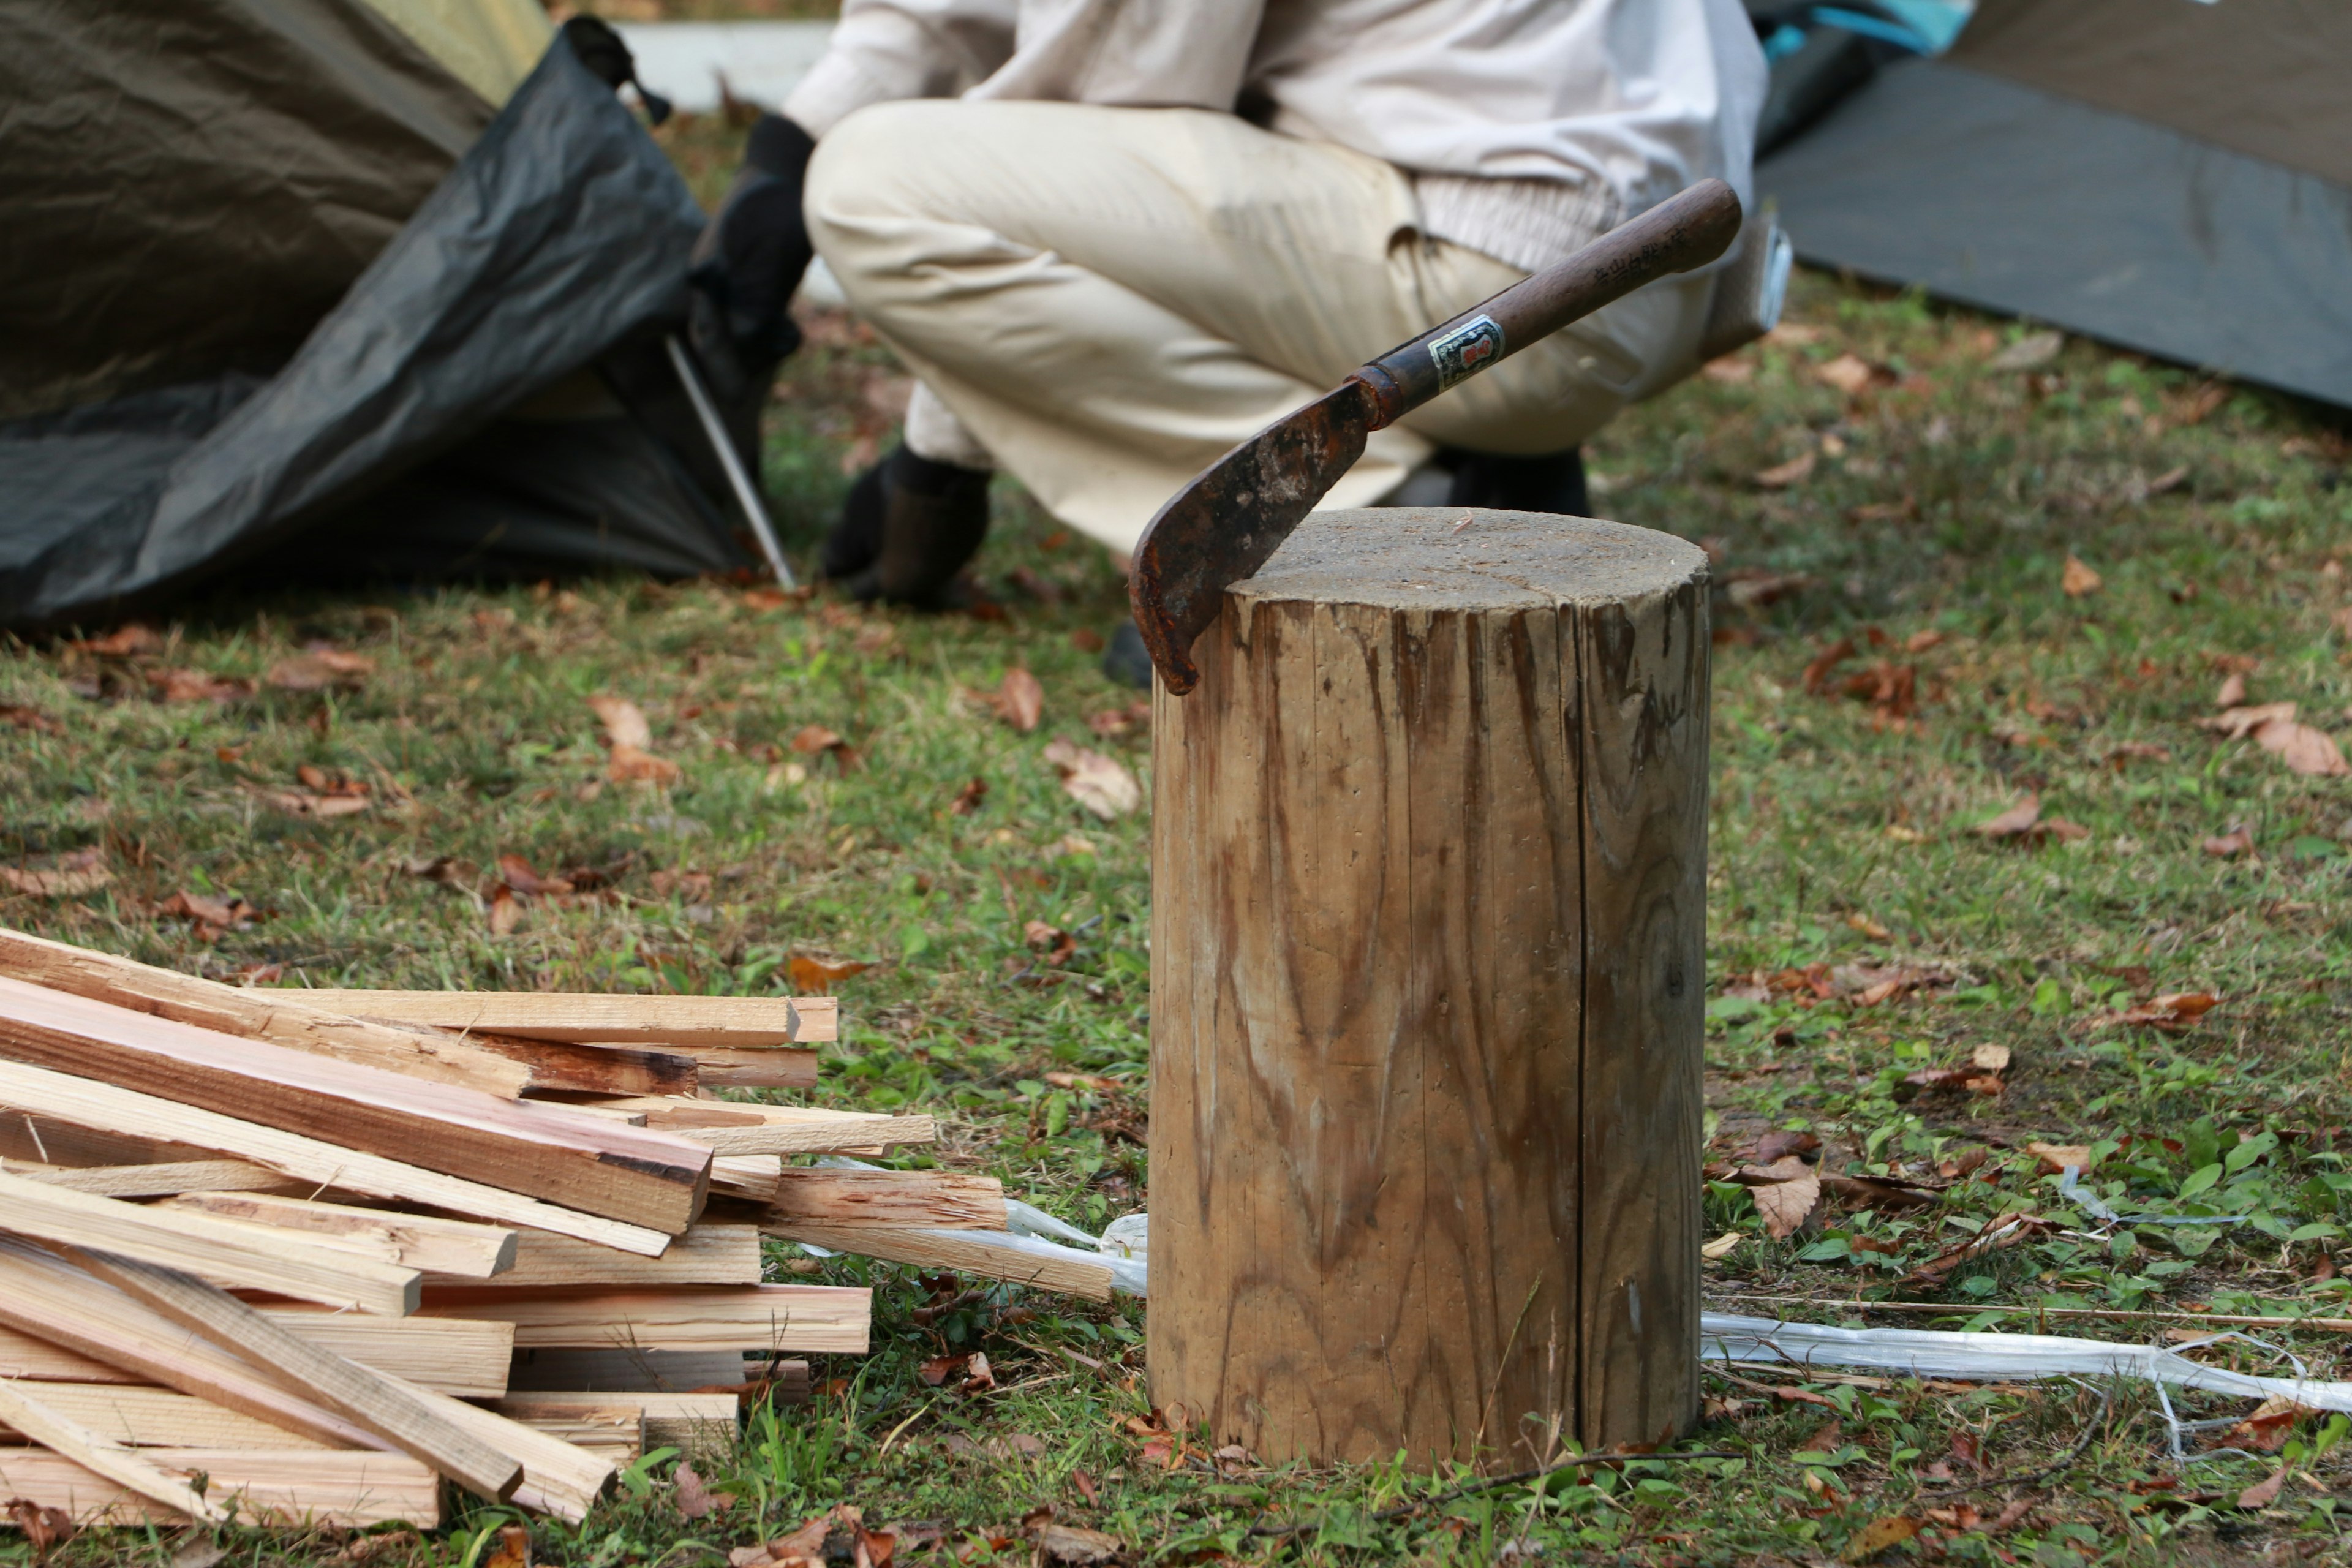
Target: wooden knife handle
{"type": "Point", "coordinates": [1690, 230]}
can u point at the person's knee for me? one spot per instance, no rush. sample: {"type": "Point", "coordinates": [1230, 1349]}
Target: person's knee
{"type": "Point", "coordinates": [869, 180]}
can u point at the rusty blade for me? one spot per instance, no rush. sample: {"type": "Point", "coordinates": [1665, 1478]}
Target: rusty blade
{"type": "Point", "coordinates": [1221, 528]}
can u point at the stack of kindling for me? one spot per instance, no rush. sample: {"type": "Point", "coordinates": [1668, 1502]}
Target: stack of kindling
{"type": "Point", "coordinates": [278, 1255]}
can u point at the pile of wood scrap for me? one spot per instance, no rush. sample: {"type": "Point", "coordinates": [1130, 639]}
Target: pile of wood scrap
{"type": "Point", "coordinates": [264, 1259]}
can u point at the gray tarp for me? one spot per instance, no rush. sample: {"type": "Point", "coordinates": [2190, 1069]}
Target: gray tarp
{"type": "Point", "coordinates": [559, 242]}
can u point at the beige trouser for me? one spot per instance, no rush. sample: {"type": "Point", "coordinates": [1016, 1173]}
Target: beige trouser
{"type": "Point", "coordinates": [1104, 300]}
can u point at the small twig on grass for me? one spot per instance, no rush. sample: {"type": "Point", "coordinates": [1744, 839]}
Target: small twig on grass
{"type": "Point", "coordinates": [1491, 1483]}
{"type": "Point", "coordinates": [2082, 1441]}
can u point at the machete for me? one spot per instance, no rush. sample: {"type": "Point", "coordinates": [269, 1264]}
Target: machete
{"type": "Point", "coordinates": [1222, 526]}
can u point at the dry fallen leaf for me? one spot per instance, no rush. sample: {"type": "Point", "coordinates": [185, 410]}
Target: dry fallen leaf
{"type": "Point", "coordinates": [505, 912]}
{"type": "Point", "coordinates": [1784, 1205]}
{"type": "Point", "coordinates": [967, 799]}
{"type": "Point", "coordinates": [2017, 822]}
{"type": "Point", "coordinates": [1068, 1543]}
{"type": "Point", "coordinates": [628, 765]}
{"type": "Point", "coordinates": [2233, 693]}
{"type": "Point", "coordinates": [695, 1500]}
{"type": "Point", "coordinates": [196, 686]}
{"type": "Point", "coordinates": [1868, 927]}
{"type": "Point", "coordinates": [817, 977]}
{"type": "Point", "coordinates": [320, 666]}
{"type": "Point", "coordinates": [71, 875]}
{"type": "Point", "coordinates": [2263, 1493]}
{"type": "Point", "coordinates": [1732, 370]}
{"type": "Point", "coordinates": [212, 916]}
{"type": "Point", "coordinates": [1795, 471]}
{"type": "Point", "coordinates": [2029, 352]}
{"type": "Point", "coordinates": [2077, 579]}
{"type": "Point", "coordinates": [1019, 700]}
{"type": "Point", "coordinates": [1100, 784]}
{"type": "Point", "coordinates": [29, 718]}
{"type": "Point", "coordinates": [1889, 1530]}
{"type": "Point", "coordinates": [1722, 1245]}
{"type": "Point", "coordinates": [625, 721]}
{"type": "Point", "coordinates": [1851, 374]}
{"type": "Point", "coordinates": [2237, 723]}
{"type": "Point", "coordinates": [2271, 1424]}
{"type": "Point", "coordinates": [125, 641]}
{"type": "Point", "coordinates": [2056, 1157]}
{"type": "Point", "coordinates": [2227, 846]}
{"type": "Point", "coordinates": [2307, 751]}
{"type": "Point", "coordinates": [514, 1548]}
{"type": "Point", "coordinates": [45, 1527]}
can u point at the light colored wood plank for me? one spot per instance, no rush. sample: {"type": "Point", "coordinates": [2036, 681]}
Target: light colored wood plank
{"type": "Point", "coordinates": [159, 1180]}
{"type": "Point", "coordinates": [707, 1255]}
{"type": "Point", "coordinates": [52, 1300]}
{"type": "Point", "coordinates": [691, 1422]}
{"type": "Point", "coordinates": [464, 1357]}
{"type": "Point", "coordinates": [753, 1178]}
{"type": "Point", "coordinates": [730, 1127]}
{"type": "Point", "coordinates": [568, 1067]}
{"type": "Point", "coordinates": [804, 1318]}
{"type": "Point", "coordinates": [613, 1432]}
{"type": "Point", "coordinates": [557, 1477]}
{"type": "Point", "coordinates": [965, 1251]}
{"type": "Point", "coordinates": [392, 1410]}
{"type": "Point", "coordinates": [347, 1491]}
{"type": "Point", "coordinates": [596, 1017]}
{"type": "Point", "coordinates": [49, 1142]}
{"type": "Point", "coordinates": [147, 1418]}
{"type": "Point", "coordinates": [443, 1246]}
{"type": "Point", "coordinates": [248, 1256]}
{"type": "Point", "coordinates": [730, 1066]}
{"type": "Point", "coordinates": [627, 1174]}
{"type": "Point", "coordinates": [259, 1014]}
{"type": "Point", "coordinates": [71, 1439]}
{"type": "Point", "coordinates": [952, 1200]}
{"type": "Point", "coordinates": [25, 1355]}
{"type": "Point", "coordinates": [89, 1104]}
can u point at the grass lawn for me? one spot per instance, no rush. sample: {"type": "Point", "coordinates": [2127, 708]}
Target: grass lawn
{"type": "Point", "coordinates": [1866, 944]}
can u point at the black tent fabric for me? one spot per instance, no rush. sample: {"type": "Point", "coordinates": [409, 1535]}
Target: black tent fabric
{"type": "Point", "coordinates": [435, 420]}
{"type": "Point", "coordinates": [2166, 176]}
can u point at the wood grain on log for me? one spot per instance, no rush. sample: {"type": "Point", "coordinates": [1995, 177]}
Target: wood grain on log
{"type": "Point", "coordinates": [1427, 893]}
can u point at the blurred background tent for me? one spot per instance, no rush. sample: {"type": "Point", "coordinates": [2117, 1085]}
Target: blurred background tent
{"type": "Point", "coordinates": [332, 286]}
{"type": "Point", "coordinates": [2173, 176]}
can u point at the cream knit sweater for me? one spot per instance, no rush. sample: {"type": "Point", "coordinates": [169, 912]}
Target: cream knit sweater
{"type": "Point", "coordinates": [1529, 126]}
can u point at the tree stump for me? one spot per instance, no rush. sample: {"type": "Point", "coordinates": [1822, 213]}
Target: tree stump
{"type": "Point", "coordinates": [1429, 878]}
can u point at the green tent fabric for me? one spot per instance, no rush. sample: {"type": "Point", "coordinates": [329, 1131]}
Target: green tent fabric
{"type": "Point", "coordinates": [277, 288]}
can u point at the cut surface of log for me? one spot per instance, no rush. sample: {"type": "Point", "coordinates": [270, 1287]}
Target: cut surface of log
{"type": "Point", "coordinates": [347, 1491]}
{"type": "Point", "coordinates": [246, 1256]}
{"type": "Point", "coordinates": [621, 1172]}
{"type": "Point", "coordinates": [145, 1417]}
{"type": "Point", "coordinates": [49, 1299]}
{"type": "Point", "coordinates": [1428, 886]}
{"type": "Point", "coordinates": [952, 1200]}
{"type": "Point", "coordinates": [707, 1255]}
{"type": "Point", "coordinates": [273, 1015]}
{"type": "Point", "coordinates": [729, 1127]}
{"type": "Point", "coordinates": [410, 1419]}
{"type": "Point", "coordinates": [805, 1319]}
{"type": "Point", "coordinates": [966, 1251]}
{"type": "Point", "coordinates": [416, 1241]}
{"type": "Point", "coordinates": [88, 1102]}
{"type": "Point", "coordinates": [598, 1017]}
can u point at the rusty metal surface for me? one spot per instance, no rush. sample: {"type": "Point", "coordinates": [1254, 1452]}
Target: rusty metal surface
{"type": "Point", "coordinates": [1222, 526]}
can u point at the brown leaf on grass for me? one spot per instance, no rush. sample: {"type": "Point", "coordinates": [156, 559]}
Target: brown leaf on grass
{"type": "Point", "coordinates": [212, 915]}
{"type": "Point", "coordinates": [2269, 1426]}
{"type": "Point", "coordinates": [2174, 1010]}
{"type": "Point", "coordinates": [1880, 1535]}
{"type": "Point", "coordinates": [2233, 693]}
{"type": "Point", "coordinates": [807, 1541]}
{"type": "Point", "coordinates": [2010, 1517]}
{"type": "Point", "coordinates": [1114, 722]}
{"type": "Point", "coordinates": [1722, 1246]}
{"type": "Point", "coordinates": [1786, 1204]}
{"type": "Point", "coordinates": [1795, 471]}
{"type": "Point", "coordinates": [2011, 1230]}
{"type": "Point", "coordinates": [2199, 405]}
{"type": "Point", "coordinates": [519, 875]}
{"type": "Point", "coordinates": [624, 721]}
{"type": "Point", "coordinates": [2018, 822]}
{"type": "Point", "coordinates": [875, 638]}
{"type": "Point", "coordinates": [967, 799]}
{"type": "Point", "coordinates": [320, 666]}
{"type": "Point", "coordinates": [1069, 1543]}
{"type": "Point", "coordinates": [1752, 587]}
{"type": "Point", "coordinates": [2030, 352]}
{"type": "Point", "coordinates": [2137, 751]}
{"type": "Point", "coordinates": [505, 912]}
{"type": "Point", "coordinates": [29, 718]}
{"type": "Point", "coordinates": [1055, 945]}
{"type": "Point", "coordinates": [126, 641]}
{"type": "Point", "coordinates": [630, 765]}
{"type": "Point", "coordinates": [2228, 846]}
{"type": "Point", "coordinates": [2263, 1493]}
{"type": "Point", "coordinates": [394, 1543]}
{"type": "Point", "coordinates": [2237, 723]}
{"type": "Point", "coordinates": [303, 803]}
{"type": "Point", "coordinates": [514, 1548]}
{"type": "Point", "coordinates": [69, 876]}
{"type": "Point", "coordinates": [1731, 370]}
{"type": "Point", "coordinates": [2307, 751]}
{"type": "Point", "coordinates": [2078, 580]}
{"type": "Point", "coordinates": [1991, 1057]}
{"type": "Point", "coordinates": [768, 598]}
{"type": "Point", "coordinates": [1817, 673]}
{"type": "Point", "coordinates": [941, 1368]}
{"type": "Point", "coordinates": [1853, 374]}
{"type": "Point", "coordinates": [817, 741]}
{"type": "Point", "coordinates": [818, 977]}
{"type": "Point", "coordinates": [194, 686]}
{"type": "Point", "coordinates": [1019, 700]}
{"type": "Point", "coordinates": [1774, 1147]}
{"type": "Point", "coordinates": [1100, 784]}
{"type": "Point", "coordinates": [45, 1529]}
{"type": "Point", "coordinates": [695, 1499]}
{"type": "Point", "coordinates": [2056, 1157]}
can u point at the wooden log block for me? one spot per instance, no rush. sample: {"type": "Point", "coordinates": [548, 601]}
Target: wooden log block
{"type": "Point", "coordinates": [252, 1257]}
{"type": "Point", "coordinates": [707, 1255]}
{"type": "Point", "coordinates": [159, 1180]}
{"type": "Point", "coordinates": [599, 1017]}
{"type": "Point", "coordinates": [148, 1418]}
{"type": "Point", "coordinates": [1428, 892]}
{"type": "Point", "coordinates": [567, 1066]}
{"type": "Point", "coordinates": [622, 1173]}
{"type": "Point", "coordinates": [805, 1319]}
{"type": "Point", "coordinates": [692, 1422]}
{"type": "Point", "coordinates": [118, 1463]}
{"type": "Point", "coordinates": [741, 1067]}
{"type": "Point", "coordinates": [300, 1488]}
{"type": "Point", "coordinates": [281, 1018]}
{"type": "Point", "coordinates": [749, 1178]}
{"type": "Point", "coordinates": [440, 1247]}
{"type": "Point", "coordinates": [952, 1200]}
{"type": "Point", "coordinates": [613, 1432]}
{"type": "Point", "coordinates": [966, 1251]}
{"type": "Point", "coordinates": [89, 1104]}
{"type": "Point", "coordinates": [731, 1127]}
{"type": "Point", "coordinates": [464, 1357]}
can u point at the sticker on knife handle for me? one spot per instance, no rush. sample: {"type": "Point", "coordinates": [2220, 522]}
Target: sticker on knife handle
{"type": "Point", "coordinates": [1466, 350]}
